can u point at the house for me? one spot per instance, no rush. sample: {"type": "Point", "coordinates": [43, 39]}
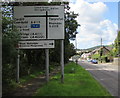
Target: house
{"type": "Point", "coordinates": [103, 52]}
{"type": "Point", "coordinates": [86, 56]}
{"type": "Point", "coordinates": [96, 51]}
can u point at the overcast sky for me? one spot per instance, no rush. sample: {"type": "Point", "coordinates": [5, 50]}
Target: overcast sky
{"type": "Point", "coordinates": [98, 20]}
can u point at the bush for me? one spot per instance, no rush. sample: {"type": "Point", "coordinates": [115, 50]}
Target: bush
{"type": "Point", "coordinates": [96, 56]}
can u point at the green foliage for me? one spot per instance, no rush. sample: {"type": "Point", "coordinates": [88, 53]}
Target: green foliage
{"type": "Point", "coordinates": [69, 52]}
{"type": "Point", "coordinates": [96, 56]}
{"type": "Point", "coordinates": [77, 83]}
{"type": "Point", "coordinates": [34, 74]}
{"type": "Point", "coordinates": [117, 45]}
{"type": "Point", "coordinates": [112, 53]}
{"type": "Point", "coordinates": [10, 39]}
{"type": "Point", "coordinates": [55, 53]}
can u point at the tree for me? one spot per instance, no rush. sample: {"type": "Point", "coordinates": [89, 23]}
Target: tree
{"type": "Point", "coordinates": [10, 39]}
{"type": "Point", "coordinates": [71, 26]}
{"type": "Point", "coordinates": [117, 44]}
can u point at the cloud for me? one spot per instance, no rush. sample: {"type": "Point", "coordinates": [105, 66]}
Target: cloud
{"type": "Point", "coordinates": [93, 24]}
{"type": "Point", "coordinates": [109, 30]}
{"type": "Point", "coordinates": [88, 12]}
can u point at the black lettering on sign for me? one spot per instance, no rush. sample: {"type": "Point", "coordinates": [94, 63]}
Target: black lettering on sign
{"type": "Point", "coordinates": [35, 22]}
{"type": "Point", "coordinates": [16, 19]}
{"type": "Point", "coordinates": [54, 19]}
{"type": "Point", "coordinates": [21, 26]}
{"type": "Point", "coordinates": [21, 22]}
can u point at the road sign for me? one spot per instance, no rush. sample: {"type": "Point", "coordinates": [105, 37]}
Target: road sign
{"type": "Point", "coordinates": [36, 44]}
{"type": "Point", "coordinates": [40, 22]}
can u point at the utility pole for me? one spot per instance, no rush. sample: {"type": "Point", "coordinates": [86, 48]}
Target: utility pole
{"type": "Point", "coordinates": [101, 51]}
{"type": "Point", "coordinates": [101, 42]}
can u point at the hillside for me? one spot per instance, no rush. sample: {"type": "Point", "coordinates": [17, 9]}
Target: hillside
{"type": "Point", "coordinates": [93, 48]}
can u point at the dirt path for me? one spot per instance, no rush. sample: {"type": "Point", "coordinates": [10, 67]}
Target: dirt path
{"type": "Point", "coordinates": [30, 87]}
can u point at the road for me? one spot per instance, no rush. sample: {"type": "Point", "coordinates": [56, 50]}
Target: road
{"type": "Point", "coordinates": [106, 74]}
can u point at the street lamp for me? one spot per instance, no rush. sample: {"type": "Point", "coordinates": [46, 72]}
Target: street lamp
{"type": "Point", "coordinates": [76, 40]}
{"type": "Point", "coordinates": [76, 43]}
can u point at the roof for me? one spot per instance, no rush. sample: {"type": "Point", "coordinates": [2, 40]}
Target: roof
{"type": "Point", "coordinates": [105, 47]}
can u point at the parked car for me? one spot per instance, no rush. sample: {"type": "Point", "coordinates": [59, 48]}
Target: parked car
{"type": "Point", "coordinates": [94, 61]}
{"type": "Point", "coordinates": [89, 60]}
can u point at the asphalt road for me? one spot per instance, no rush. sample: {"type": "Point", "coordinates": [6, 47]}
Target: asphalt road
{"type": "Point", "coordinates": [106, 74]}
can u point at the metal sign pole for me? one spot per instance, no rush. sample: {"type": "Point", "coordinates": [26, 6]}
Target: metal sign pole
{"type": "Point", "coordinates": [62, 61]}
{"type": "Point", "coordinates": [47, 64]}
{"type": "Point", "coordinates": [17, 70]}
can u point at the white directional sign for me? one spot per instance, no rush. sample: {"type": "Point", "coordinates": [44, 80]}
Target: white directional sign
{"type": "Point", "coordinates": [40, 22]}
{"type": "Point", "coordinates": [36, 44]}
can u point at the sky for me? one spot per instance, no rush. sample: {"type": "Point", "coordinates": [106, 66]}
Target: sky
{"type": "Point", "coordinates": [98, 20]}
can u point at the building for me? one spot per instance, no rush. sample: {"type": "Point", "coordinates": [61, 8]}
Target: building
{"type": "Point", "coordinates": [86, 56]}
{"type": "Point", "coordinates": [105, 50]}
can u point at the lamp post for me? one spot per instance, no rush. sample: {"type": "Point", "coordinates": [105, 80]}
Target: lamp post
{"type": "Point", "coordinates": [76, 43]}
{"type": "Point", "coordinates": [76, 47]}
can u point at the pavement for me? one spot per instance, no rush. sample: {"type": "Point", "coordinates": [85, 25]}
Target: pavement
{"type": "Point", "coordinates": [106, 74]}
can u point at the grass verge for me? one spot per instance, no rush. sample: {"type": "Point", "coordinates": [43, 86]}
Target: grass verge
{"type": "Point", "coordinates": [77, 82]}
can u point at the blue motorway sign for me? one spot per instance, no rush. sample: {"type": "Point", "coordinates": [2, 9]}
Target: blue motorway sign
{"type": "Point", "coordinates": [35, 25]}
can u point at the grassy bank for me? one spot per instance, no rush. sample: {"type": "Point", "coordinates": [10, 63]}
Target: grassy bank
{"type": "Point", "coordinates": [77, 82]}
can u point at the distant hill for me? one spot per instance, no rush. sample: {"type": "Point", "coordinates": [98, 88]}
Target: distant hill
{"type": "Point", "coordinates": [89, 49]}
{"type": "Point", "coordinates": [93, 48]}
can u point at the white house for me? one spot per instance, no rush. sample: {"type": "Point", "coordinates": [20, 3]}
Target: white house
{"type": "Point", "coordinates": [86, 55]}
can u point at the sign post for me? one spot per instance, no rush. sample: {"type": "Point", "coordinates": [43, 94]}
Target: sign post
{"type": "Point", "coordinates": [62, 61]}
{"type": "Point", "coordinates": [47, 64]}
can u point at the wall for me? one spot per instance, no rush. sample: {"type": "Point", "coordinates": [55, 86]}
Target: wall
{"type": "Point", "coordinates": [116, 61]}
